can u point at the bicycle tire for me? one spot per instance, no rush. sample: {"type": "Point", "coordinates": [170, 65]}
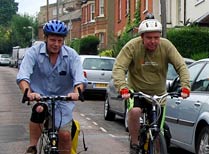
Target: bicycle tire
{"type": "Point", "coordinates": [158, 145]}
{"type": "Point", "coordinates": [42, 143]}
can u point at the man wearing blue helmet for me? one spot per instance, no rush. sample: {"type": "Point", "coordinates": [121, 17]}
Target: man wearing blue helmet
{"type": "Point", "coordinates": [51, 68]}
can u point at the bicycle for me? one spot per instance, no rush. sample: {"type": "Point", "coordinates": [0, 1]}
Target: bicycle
{"type": "Point", "coordinates": [48, 141]}
{"type": "Point", "coordinates": [151, 134]}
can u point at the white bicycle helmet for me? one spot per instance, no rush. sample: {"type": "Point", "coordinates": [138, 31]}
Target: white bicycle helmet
{"type": "Point", "coordinates": [150, 25]}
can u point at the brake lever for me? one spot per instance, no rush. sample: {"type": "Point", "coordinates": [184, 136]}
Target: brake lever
{"type": "Point", "coordinates": [25, 96]}
{"type": "Point", "coordinates": [81, 97]}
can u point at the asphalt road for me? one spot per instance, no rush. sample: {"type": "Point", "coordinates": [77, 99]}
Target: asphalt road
{"type": "Point", "coordinates": [102, 137]}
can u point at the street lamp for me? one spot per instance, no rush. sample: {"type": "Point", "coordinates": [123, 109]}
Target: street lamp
{"type": "Point", "coordinates": [30, 27]}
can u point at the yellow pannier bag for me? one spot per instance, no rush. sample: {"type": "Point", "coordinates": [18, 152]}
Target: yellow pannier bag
{"type": "Point", "coordinates": [75, 131]}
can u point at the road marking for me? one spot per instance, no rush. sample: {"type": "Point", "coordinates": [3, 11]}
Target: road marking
{"type": "Point", "coordinates": [88, 118]}
{"type": "Point", "coordinates": [104, 130]}
{"type": "Point", "coordinates": [83, 115]}
{"type": "Point", "coordinates": [95, 123]}
{"type": "Point", "coordinates": [112, 135]}
{"type": "Point", "coordinates": [101, 128]}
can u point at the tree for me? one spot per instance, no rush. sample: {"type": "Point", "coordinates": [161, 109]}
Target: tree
{"type": "Point", "coordinates": [88, 45]}
{"type": "Point", "coordinates": [20, 33]}
{"type": "Point", "coordinates": [8, 8]}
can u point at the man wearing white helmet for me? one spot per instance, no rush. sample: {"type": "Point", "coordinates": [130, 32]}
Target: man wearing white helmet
{"type": "Point", "coordinates": [146, 59]}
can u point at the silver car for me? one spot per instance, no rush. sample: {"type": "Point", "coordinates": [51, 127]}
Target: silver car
{"type": "Point", "coordinates": [188, 119]}
{"type": "Point", "coordinates": [117, 106]}
{"type": "Point", "coordinates": [5, 59]}
{"type": "Point", "coordinates": [98, 71]}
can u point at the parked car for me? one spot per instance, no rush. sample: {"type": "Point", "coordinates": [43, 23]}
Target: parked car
{"type": "Point", "coordinates": [171, 75]}
{"type": "Point", "coordinates": [188, 119]}
{"type": "Point", "coordinates": [5, 59]}
{"type": "Point", "coordinates": [98, 71]}
{"type": "Point", "coordinates": [117, 106]}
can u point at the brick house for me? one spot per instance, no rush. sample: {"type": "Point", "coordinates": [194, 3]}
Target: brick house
{"type": "Point", "coordinates": [107, 19]}
{"type": "Point", "coordinates": [68, 11]}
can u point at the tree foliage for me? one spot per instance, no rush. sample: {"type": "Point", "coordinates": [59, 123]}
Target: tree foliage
{"type": "Point", "coordinates": [88, 45]}
{"type": "Point", "coordinates": [191, 42]}
{"type": "Point", "coordinates": [21, 33]}
{"type": "Point", "coordinates": [8, 8]}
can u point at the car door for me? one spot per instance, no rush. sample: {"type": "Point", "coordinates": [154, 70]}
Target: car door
{"type": "Point", "coordinates": [189, 108]}
{"type": "Point", "coordinates": [182, 113]}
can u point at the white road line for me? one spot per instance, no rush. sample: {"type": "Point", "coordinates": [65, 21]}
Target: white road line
{"type": "Point", "coordinates": [111, 135]}
{"type": "Point", "coordinates": [95, 123]}
{"type": "Point", "coordinates": [83, 115]}
{"type": "Point", "coordinates": [104, 130]}
{"type": "Point", "coordinates": [88, 118]}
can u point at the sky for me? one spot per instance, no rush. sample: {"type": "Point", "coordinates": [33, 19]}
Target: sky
{"type": "Point", "coordinates": [31, 7]}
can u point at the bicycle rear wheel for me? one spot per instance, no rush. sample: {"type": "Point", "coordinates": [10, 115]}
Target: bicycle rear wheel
{"type": "Point", "coordinates": [158, 145]}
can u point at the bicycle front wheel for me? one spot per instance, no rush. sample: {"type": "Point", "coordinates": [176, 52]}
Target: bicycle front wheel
{"type": "Point", "coordinates": [158, 145]}
{"type": "Point", "coordinates": [43, 145]}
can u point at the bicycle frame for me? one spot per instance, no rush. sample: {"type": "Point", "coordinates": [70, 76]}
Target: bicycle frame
{"type": "Point", "coordinates": [51, 147]}
{"type": "Point", "coordinates": [151, 136]}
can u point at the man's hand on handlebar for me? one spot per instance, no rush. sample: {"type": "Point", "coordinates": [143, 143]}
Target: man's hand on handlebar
{"type": "Point", "coordinates": [33, 96]}
{"type": "Point", "coordinates": [125, 94]}
{"type": "Point", "coordinates": [185, 92]}
{"type": "Point", "coordinates": [74, 96]}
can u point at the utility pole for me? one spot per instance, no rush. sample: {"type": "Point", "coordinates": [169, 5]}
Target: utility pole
{"type": "Point", "coordinates": [163, 17]}
{"type": "Point", "coordinates": [47, 10]}
{"type": "Point", "coordinates": [57, 9]}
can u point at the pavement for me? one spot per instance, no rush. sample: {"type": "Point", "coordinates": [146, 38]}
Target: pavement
{"type": "Point", "coordinates": [14, 119]}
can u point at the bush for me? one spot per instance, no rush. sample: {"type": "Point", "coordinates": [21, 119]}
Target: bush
{"type": "Point", "coordinates": [75, 44]}
{"type": "Point", "coordinates": [88, 45]}
{"type": "Point", "coordinates": [191, 42]}
{"type": "Point", "coordinates": [108, 53]}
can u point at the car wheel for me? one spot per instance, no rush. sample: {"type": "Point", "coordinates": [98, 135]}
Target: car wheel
{"type": "Point", "coordinates": [126, 120]}
{"type": "Point", "coordinates": [108, 115]}
{"type": "Point", "coordinates": [202, 146]}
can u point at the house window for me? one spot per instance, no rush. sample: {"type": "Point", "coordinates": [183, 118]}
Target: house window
{"type": "Point", "coordinates": [145, 6]}
{"type": "Point", "coordinates": [101, 39]}
{"type": "Point", "coordinates": [54, 12]}
{"type": "Point", "coordinates": [86, 14]}
{"type": "Point", "coordinates": [92, 12]}
{"type": "Point", "coordinates": [119, 10]}
{"type": "Point", "coordinates": [137, 4]}
{"type": "Point", "coordinates": [127, 6]}
{"type": "Point", "coordinates": [101, 7]}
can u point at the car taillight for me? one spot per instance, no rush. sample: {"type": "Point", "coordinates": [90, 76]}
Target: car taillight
{"type": "Point", "coordinates": [85, 74]}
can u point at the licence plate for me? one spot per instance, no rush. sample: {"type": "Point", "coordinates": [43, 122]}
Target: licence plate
{"type": "Point", "coordinates": [100, 85]}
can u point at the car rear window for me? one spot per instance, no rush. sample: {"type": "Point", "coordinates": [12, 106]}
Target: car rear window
{"type": "Point", "coordinates": [5, 56]}
{"type": "Point", "coordinates": [98, 64]}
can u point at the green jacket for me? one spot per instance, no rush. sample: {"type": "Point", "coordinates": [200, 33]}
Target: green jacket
{"type": "Point", "coordinates": [147, 71]}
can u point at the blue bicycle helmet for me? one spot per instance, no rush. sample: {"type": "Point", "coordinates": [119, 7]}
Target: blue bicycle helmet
{"type": "Point", "coordinates": [55, 27]}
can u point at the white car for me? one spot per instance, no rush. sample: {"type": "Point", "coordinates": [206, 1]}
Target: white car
{"type": "Point", "coordinates": [98, 71]}
{"type": "Point", "coordinates": [5, 59]}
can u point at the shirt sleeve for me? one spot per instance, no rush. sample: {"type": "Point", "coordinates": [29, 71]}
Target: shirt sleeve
{"type": "Point", "coordinates": [26, 67]}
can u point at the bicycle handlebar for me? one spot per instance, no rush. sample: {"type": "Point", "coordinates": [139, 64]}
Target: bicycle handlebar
{"type": "Point", "coordinates": [51, 98]}
{"type": "Point", "coordinates": [155, 97]}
